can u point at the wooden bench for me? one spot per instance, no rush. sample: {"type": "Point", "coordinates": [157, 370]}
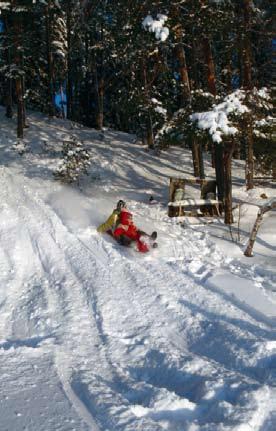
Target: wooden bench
{"type": "Point", "coordinates": [194, 207]}
{"type": "Point", "coordinates": [181, 205]}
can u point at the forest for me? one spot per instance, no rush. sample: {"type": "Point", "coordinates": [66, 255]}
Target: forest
{"type": "Point", "coordinates": [137, 215]}
{"type": "Point", "coordinates": [192, 73]}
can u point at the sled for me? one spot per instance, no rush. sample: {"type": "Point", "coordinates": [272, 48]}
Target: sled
{"type": "Point", "coordinates": [149, 240]}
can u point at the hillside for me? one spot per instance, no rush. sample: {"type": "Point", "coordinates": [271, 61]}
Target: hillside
{"type": "Point", "coordinates": [94, 336]}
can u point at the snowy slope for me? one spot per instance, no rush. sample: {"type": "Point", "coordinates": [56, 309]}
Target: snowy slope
{"type": "Point", "coordinates": [97, 337]}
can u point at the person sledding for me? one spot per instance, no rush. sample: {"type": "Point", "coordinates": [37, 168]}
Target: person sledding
{"type": "Point", "coordinates": [126, 232]}
{"type": "Point", "coordinates": [113, 220]}
{"type": "Point", "coordinates": [120, 225]}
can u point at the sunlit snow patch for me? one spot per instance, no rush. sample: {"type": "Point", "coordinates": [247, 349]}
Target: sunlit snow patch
{"type": "Point", "coordinates": [169, 407]}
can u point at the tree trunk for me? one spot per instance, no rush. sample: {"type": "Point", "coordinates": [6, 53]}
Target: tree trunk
{"type": "Point", "coordinates": [24, 104]}
{"type": "Point", "coordinates": [8, 81]}
{"type": "Point", "coordinates": [201, 162]}
{"type": "Point", "coordinates": [247, 82]}
{"type": "Point", "coordinates": [219, 167]}
{"type": "Point", "coordinates": [195, 154]}
{"type": "Point", "coordinates": [239, 48]}
{"type": "Point", "coordinates": [249, 165]}
{"type": "Point", "coordinates": [88, 79]}
{"type": "Point", "coordinates": [237, 151]}
{"type": "Point", "coordinates": [247, 56]}
{"type": "Point", "coordinates": [51, 95]}
{"type": "Point", "coordinates": [211, 79]}
{"type": "Point", "coordinates": [18, 78]}
{"type": "Point", "coordinates": [149, 132]}
{"type": "Point", "coordinates": [274, 169]}
{"type": "Point", "coordinates": [194, 71]}
{"type": "Point", "coordinates": [8, 98]}
{"type": "Point", "coordinates": [185, 90]}
{"type": "Point", "coordinates": [184, 78]}
{"type": "Point", "coordinates": [209, 62]}
{"type": "Point", "coordinates": [69, 86]}
{"type": "Point", "coordinates": [100, 101]}
{"type": "Point", "coordinates": [229, 74]}
{"type": "Point", "coordinates": [88, 121]}
{"type": "Point", "coordinates": [228, 214]}
{"type": "Point", "coordinates": [270, 205]}
{"type": "Point", "coordinates": [20, 109]}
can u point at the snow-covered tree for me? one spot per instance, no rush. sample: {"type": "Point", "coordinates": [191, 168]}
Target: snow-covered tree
{"type": "Point", "coordinates": [75, 161]}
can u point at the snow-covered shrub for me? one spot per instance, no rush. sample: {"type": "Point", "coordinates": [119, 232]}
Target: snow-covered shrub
{"type": "Point", "coordinates": [76, 160]}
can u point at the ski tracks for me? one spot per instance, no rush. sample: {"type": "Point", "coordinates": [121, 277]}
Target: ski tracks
{"type": "Point", "coordinates": [135, 348]}
{"type": "Point", "coordinates": [67, 274]}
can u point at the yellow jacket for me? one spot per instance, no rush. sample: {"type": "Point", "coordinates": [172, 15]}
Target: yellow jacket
{"type": "Point", "coordinates": [110, 223]}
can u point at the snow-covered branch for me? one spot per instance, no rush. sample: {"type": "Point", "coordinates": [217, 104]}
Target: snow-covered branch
{"type": "Point", "coordinates": [217, 121]}
{"type": "Point", "coordinates": [157, 26]}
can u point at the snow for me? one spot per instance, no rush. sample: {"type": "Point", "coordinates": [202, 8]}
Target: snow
{"type": "Point", "coordinates": [161, 110]}
{"type": "Point", "coordinates": [216, 121]}
{"type": "Point", "coordinates": [270, 203]}
{"type": "Point", "coordinates": [264, 122]}
{"type": "Point", "coordinates": [96, 337]}
{"type": "Point", "coordinates": [191, 202]}
{"type": "Point", "coordinates": [250, 295]}
{"type": "Point", "coordinates": [156, 26]}
{"type": "Point", "coordinates": [263, 93]}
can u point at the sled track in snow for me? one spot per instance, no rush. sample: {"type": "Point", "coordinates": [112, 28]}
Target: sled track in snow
{"type": "Point", "coordinates": [59, 299]}
{"type": "Point", "coordinates": [107, 329]}
{"type": "Point", "coordinates": [76, 302]}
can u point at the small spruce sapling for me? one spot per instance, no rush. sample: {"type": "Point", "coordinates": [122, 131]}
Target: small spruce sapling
{"type": "Point", "coordinates": [76, 160]}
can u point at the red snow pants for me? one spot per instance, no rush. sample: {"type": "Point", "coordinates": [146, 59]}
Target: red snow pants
{"type": "Point", "coordinates": [134, 235]}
